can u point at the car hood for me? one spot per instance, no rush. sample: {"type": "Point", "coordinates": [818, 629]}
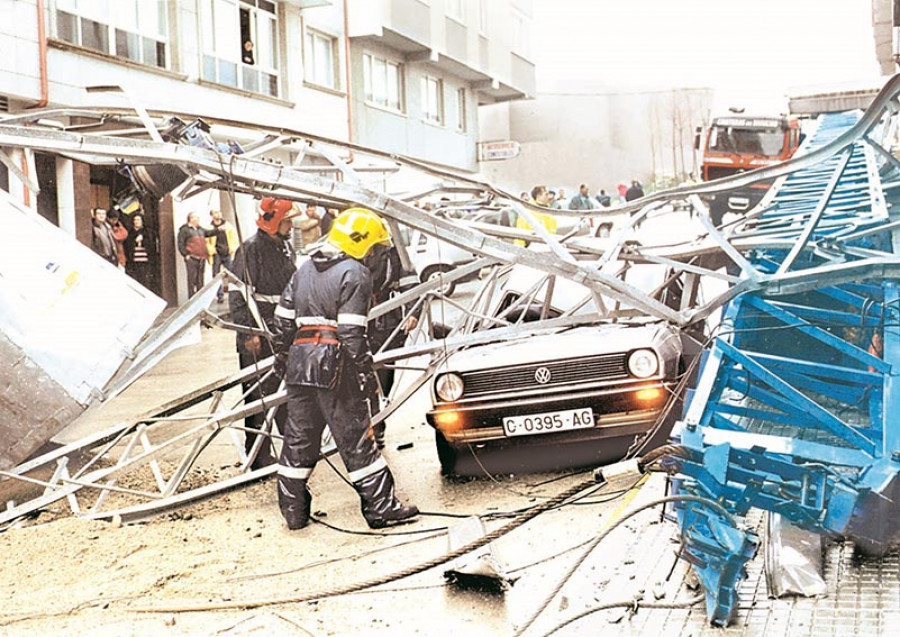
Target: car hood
{"type": "Point", "coordinates": [588, 340]}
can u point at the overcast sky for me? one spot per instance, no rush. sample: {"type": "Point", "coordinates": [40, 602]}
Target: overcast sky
{"type": "Point", "coordinates": [732, 45]}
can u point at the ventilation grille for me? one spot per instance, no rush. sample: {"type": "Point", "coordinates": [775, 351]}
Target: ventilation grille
{"type": "Point", "coordinates": [596, 369]}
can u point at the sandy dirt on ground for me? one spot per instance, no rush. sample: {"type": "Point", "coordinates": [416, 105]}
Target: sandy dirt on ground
{"type": "Point", "coordinates": [66, 575]}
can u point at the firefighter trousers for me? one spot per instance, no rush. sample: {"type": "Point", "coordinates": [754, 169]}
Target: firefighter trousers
{"type": "Point", "coordinates": [270, 385]}
{"type": "Point", "coordinates": [345, 410]}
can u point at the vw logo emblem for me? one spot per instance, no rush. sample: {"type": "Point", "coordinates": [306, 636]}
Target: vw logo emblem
{"type": "Point", "coordinates": [542, 375]}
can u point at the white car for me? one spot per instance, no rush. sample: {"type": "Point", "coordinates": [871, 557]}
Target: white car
{"type": "Point", "coordinates": [432, 258]}
{"type": "Point", "coordinates": [559, 399]}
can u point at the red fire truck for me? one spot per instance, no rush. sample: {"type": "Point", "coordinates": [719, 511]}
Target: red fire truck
{"type": "Point", "coordinates": [737, 143]}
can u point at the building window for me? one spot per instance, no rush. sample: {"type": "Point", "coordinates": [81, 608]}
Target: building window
{"type": "Point", "coordinates": [483, 17]}
{"type": "Point", "coordinates": [461, 110]}
{"type": "Point", "coordinates": [240, 44]}
{"type": "Point", "coordinates": [433, 100]}
{"type": "Point", "coordinates": [455, 9]}
{"type": "Point", "coordinates": [519, 30]}
{"type": "Point", "coordinates": [383, 82]}
{"type": "Point", "coordinates": [136, 30]}
{"type": "Point", "coordinates": [319, 59]}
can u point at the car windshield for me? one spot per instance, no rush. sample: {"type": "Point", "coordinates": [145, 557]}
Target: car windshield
{"type": "Point", "coordinates": [526, 289]}
{"type": "Point", "coordinates": [731, 139]}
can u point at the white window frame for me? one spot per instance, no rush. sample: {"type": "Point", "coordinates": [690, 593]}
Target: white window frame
{"type": "Point", "coordinates": [225, 60]}
{"type": "Point", "coordinates": [136, 30]}
{"type": "Point", "coordinates": [383, 82]}
{"type": "Point", "coordinates": [313, 66]}
{"type": "Point", "coordinates": [461, 120]}
{"type": "Point", "coordinates": [519, 32]}
{"type": "Point", "coordinates": [432, 100]}
{"type": "Point", "coordinates": [483, 17]}
{"type": "Point", "coordinates": [455, 10]}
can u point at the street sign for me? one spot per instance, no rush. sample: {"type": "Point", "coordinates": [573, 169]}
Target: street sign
{"type": "Point", "coordinates": [493, 151]}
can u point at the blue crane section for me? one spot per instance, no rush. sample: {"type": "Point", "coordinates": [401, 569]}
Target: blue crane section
{"type": "Point", "coordinates": [795, 407]}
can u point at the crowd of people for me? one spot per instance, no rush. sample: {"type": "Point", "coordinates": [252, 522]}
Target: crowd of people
{"type": "Point", "coordinates": [583, 200]}
{"type": "Point", "coordinates": [201, 245]}
{"type": "Point", "coordinates": [126, 243]}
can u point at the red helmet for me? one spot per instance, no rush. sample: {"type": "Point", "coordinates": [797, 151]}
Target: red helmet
{"type": "Point", "coordinates": [273, 211]}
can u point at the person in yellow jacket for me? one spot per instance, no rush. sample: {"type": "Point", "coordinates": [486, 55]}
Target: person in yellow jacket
{"type": "Point", "coordinates": [541, 196]}
{"type": "Point", "coordinates": [221, 247]}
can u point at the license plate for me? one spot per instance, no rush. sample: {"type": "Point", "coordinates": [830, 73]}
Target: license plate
{"type": "Point", "coordinates": [549, 422]}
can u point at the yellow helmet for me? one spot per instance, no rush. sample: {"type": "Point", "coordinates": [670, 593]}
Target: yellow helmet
{"type": "Point", "coordinates": [356, 230]}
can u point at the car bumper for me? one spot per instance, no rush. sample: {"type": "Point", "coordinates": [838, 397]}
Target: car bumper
{"type": "Point", "coordinates": [617, 413]}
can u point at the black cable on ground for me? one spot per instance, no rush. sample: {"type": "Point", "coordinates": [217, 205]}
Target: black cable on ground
{"type": "Point", "coordinates": [593, 544]}
{"type": "Point", "coordinates": [340, 529]}
{"type": "Point", "coordinates": [352, 588]}
{"type": "Point", "coordinates": [492, 515]}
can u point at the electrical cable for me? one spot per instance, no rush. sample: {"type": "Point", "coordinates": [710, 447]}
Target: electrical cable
{"type": "Point", "coordinates": [492, 515]}
{"type": "Point", "coordinates": [605, 533]}
{"type": "Point", "coordinates": [634, 605]}
{"type": "Point", "coordinates": [352, 588]}
{"type": "Point", "coordinates": [374, 533]}
{"type": "Point", "coordinates": [334, 560]}
{"type": "Point", "coordinates": [436, 532]}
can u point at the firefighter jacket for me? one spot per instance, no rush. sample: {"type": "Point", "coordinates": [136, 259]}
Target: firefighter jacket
{"type": "Point", "coordinates": [265, 264]}
{"type": "Point", "coordinates": [327, 299]}
{"type": "Point", "coordinates": [389, 278]}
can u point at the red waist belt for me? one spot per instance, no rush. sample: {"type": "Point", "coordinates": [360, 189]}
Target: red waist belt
{"type": "Point", "coordinates": [316, 334]}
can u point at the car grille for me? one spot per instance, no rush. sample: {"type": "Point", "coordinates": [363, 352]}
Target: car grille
{"type": "Point", "coordinates": [606, 367]}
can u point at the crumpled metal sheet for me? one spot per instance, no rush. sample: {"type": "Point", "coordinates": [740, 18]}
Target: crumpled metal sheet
{"type": "Point", "coordinates": [68, 322]}
{"type": "Point", "coordinates": [793, 560]}
{"type": "Point", "coordinates": [478, 570]}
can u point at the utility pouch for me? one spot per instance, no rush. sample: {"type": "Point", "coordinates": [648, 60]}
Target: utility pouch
{"type": "Point", "coordinates": [315, 357]}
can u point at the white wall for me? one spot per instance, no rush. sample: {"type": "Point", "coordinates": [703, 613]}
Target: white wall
{"type": "Point", "coordinates": [599, 139]}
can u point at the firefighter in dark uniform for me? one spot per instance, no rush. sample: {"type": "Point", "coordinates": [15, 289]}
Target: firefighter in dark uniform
{"type": "Point", "coordinates": [389, 278]}
{"type": "Point", "coordinates": [321, 343]}
{"type": "Point", "coordinates": [265, 262]}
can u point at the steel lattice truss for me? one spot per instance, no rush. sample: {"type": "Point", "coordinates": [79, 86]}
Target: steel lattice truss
{"type": "Point", "coordinates": [819, 234]}
{"type": "Point", "coordinates": [795, 410]}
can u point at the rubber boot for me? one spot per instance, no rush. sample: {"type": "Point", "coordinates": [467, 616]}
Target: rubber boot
{"type": "Point", "coordinates": [295, 502]}
{"type": "Point", "coordinates": [380, 507]}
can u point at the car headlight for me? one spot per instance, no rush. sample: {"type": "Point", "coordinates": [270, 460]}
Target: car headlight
{"type": "Point", "coordinates": [643, 363]}
{"type": "Point", "coordinates": [449, 387]}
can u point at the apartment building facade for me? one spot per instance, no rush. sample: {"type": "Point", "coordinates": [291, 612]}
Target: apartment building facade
{"type": "Point", "coordinates": [404, 76]}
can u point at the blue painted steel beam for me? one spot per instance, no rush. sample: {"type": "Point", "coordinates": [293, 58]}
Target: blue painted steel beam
{"type": "Point", "coordinates": [827, 338]}
{"type": "Point", "coordinates": [825, 418]}
{"type": "Point", "coordinates": [801, 364]}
